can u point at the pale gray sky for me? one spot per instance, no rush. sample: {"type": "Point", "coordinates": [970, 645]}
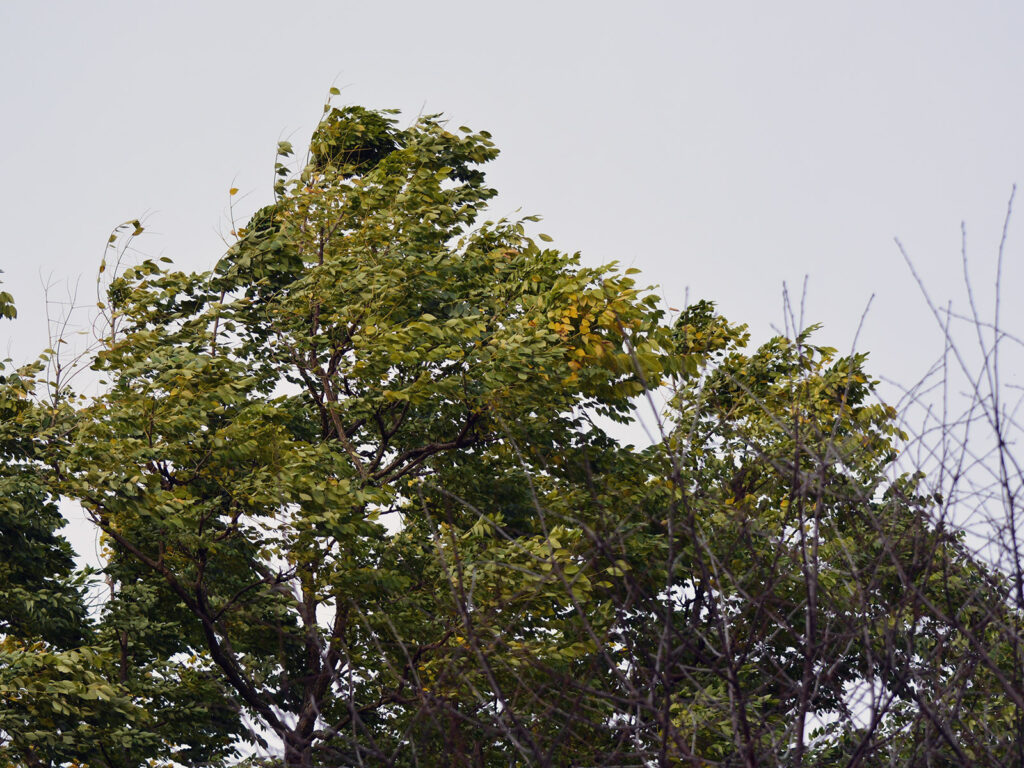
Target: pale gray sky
{"type": "Point", "coordinates": [725, 147]}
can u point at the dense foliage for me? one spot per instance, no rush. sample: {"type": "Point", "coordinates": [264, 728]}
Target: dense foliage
{"type": "Point", "coordinates": [359, 507]}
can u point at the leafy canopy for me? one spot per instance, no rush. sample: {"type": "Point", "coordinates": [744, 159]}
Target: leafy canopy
{"type": "Point", "coordinates": [358, 507]}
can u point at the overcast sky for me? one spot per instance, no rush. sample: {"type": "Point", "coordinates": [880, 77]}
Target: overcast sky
{"type": "Point", "coordinates": [723, 148]}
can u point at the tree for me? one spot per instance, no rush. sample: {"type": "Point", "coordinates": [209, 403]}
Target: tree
{"type": "Point", "coordinates": [359, 509]}
{"type": "Point", "coordinates": [359, 340]}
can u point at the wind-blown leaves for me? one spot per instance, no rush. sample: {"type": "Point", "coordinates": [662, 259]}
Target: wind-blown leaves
{"type": "Point", "coordinates": [358, 508]}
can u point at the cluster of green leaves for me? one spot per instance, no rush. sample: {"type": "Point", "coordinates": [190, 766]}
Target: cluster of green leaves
{"type": "Point", "coordinates": [7, 308]}
{"type": "Point", "coordinates": [357, 509]}
{"type": "Point", "coordinates": [806, 568]}
{"type": "Point", "coordinates": [68, 693]}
